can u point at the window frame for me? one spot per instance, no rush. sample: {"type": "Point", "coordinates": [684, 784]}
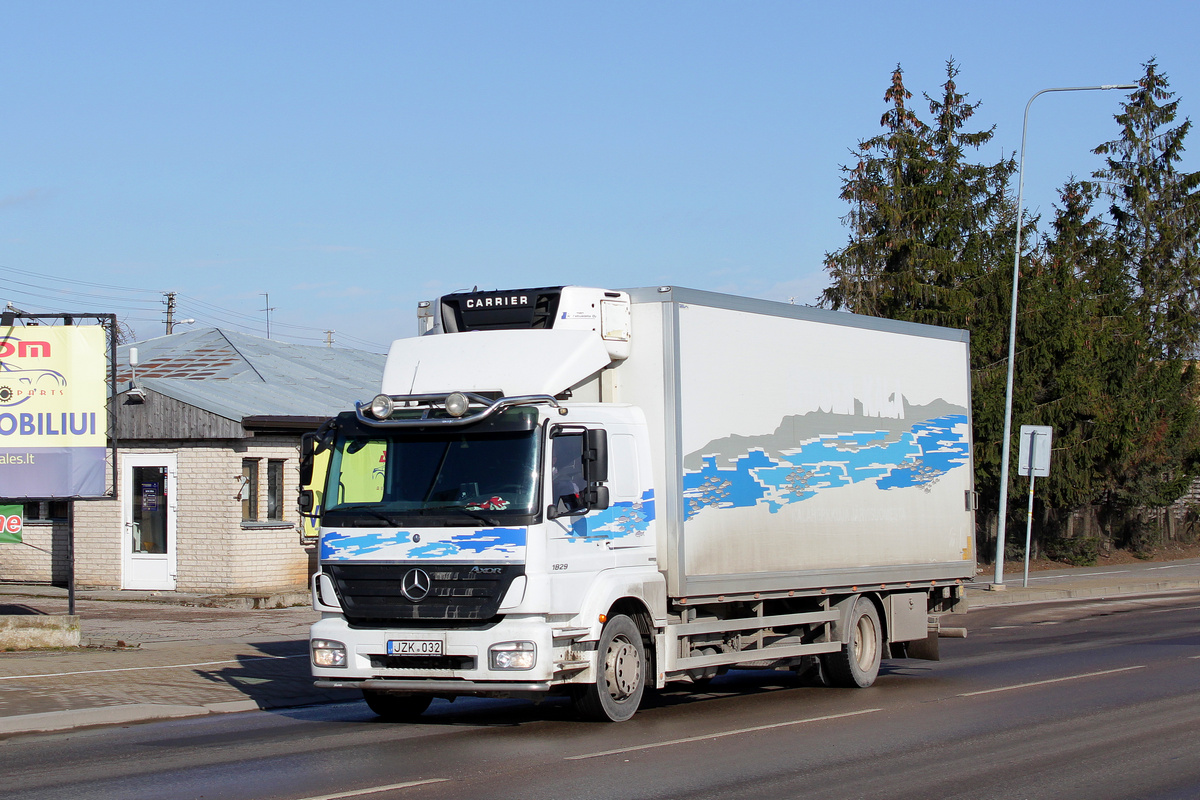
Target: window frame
{"type": "Point", "coordinates": [275, 491]}
{"type": "Point", "coordinates": [249, 490]}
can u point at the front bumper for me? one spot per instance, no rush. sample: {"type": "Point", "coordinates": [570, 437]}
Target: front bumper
{"type": "Point", "coordinates": [462, 668]}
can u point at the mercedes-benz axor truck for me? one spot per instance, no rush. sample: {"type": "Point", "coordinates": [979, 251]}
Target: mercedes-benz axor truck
{"type": "Point", "coordinates": [586, 492]}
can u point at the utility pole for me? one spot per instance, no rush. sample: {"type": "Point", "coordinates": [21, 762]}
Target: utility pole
{"type": "Point", "coordinates": [329, 338]}
{"type": "Point", "coordinates": [268, 309]}
{"type": "Point", "coordinates": [170, 301]}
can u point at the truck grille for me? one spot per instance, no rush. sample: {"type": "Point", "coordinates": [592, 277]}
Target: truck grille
{"type": "Point", "coordinates": [372, 595]}
{"type": "Point", "coordinates": [423, 662]}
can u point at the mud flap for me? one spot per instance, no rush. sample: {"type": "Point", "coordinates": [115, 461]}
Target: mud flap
{"type": "Point", "coordinates": [925, 649]}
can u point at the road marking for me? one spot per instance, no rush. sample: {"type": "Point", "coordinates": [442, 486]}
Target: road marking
{"type": "Point", "coordinates": [1052, 680]}
{"type": "Point", "coordinates": [1067, 577]}
{"type": "Point", "coordinates": [164, 666]}
{"type": "Point", "coordinates": [720, 735]}
{"type": "Point", "coordinates": [376, 789]}
{"type": "Point", "coordinates": [1167, 610]}
{"type": "Point", "coordinates": [1169, 566]}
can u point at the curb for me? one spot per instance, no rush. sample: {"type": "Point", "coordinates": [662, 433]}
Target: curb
{"type": "Point", "coordinates": [72, 719]}
{"type": "Point", "coordinates": [984, 598]}
{"type": "Point", "coordinates": [281, 599]}
{"type": "Point", "coordinates": [37, 631]}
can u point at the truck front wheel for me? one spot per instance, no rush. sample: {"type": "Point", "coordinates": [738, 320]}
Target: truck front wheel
{"type": "Point", "coordinates": [621, 674]}
{"type": "Point", "coordinates": [856, 665]}
{"type": "Point", "coordinates": [396, 707]}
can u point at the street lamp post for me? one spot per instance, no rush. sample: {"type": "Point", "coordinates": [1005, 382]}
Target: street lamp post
{"type": "Point", "coordinates": [1002, 508]}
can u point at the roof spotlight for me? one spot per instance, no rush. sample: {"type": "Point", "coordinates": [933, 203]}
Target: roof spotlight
{"type": "Point", "coordinates": [382, 406]}
{"type": "Point", "coordinates": [457, 404]}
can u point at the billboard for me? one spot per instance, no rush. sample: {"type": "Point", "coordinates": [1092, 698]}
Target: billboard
{"type": "Point", "coordinates": [10, 524]}
{"type": "Point", "coordinates": [53, 411]}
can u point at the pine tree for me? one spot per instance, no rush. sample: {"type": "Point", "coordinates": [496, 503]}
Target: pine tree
{"type": "Point", "coordinates": [1156, 214]}
{"type": "Point", "coordinates": [1075, 350]}
{"type": "Point", "coordinates": [967, 204]}
{"type": "Point", "coordinates": [882, 190]}
{"type": "Point", "coordinates": [1156, 210]}
{"type": "Point", "coordinates": [922, 215]}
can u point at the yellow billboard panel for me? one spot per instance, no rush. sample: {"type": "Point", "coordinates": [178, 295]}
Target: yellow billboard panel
{"type": "Point", "coordinates": [53, 411]}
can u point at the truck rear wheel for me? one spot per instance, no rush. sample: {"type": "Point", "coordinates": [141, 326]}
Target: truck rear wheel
{"type": "Point", "coordinates": [856, 665]}
{"type": "Point", "coordinates": [396, 707]}
{"type": "Point", "coordinates": [620, 674]}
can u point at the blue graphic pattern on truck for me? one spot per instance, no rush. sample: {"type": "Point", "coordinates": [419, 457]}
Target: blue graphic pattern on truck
{"type": "Point", "coordinates": [914, 458]}
{"type": "Point", "coordinates": [618, 521]}
{"type": "Point", "coordinates": [503, 543]}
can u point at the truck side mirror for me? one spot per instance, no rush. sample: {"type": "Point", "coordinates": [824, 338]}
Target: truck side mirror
{"type": "Point", "coordinates": [306, 502]}
{"type": "Point", "coordinates": [595, 455]}
{"type": "Point", "coordinates": [595, 497]}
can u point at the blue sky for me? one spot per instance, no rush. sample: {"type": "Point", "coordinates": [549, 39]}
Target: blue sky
{"type": "Point", "coordinates": [349, 159]}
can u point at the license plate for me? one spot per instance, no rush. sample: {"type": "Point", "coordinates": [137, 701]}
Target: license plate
{"type": "Point", "coordinates": [414, 647]}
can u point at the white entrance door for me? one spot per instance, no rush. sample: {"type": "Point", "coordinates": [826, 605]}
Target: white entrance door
{"type": "Point", "coordinates": [148, 515]}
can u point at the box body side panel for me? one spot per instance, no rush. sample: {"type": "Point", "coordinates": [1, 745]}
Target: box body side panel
{"type": "Point", "coordinates": [797, 453]}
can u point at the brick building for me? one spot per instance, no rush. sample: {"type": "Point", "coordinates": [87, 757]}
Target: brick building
{"type": "Point", "coordinates": [208, 425]}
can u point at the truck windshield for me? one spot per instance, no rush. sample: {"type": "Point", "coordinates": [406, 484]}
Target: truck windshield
{"type": "Point", "coordinates": [486, 474]}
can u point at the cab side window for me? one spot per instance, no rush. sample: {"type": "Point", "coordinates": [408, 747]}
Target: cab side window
{"type": "Point", "coordinates": [567, 483]}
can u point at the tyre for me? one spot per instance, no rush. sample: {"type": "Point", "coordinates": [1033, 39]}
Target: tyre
{"type": "Point", "coordinates": [396, 707]}
{"type": "Point", "coordinates": [856, 665]}
{"type": "Point", "coordinates": [621, 674]}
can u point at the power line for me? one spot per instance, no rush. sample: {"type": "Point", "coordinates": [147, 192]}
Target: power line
{"type": "Point", "coordinates": [200, 310]}
{"type": "Point", "coordinates": [77, 301]}
{"type": "Point", "coordinates": [44, 276]}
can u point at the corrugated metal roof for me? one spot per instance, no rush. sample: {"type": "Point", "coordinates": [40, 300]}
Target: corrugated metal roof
{"type": "Point", "coordinates": [236, 375]}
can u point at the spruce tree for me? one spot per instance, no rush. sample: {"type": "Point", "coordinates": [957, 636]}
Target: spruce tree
{"type": "Point", "coordinates": [1075, 356]}
{"type": "Point", "coordinates": [883, 189]}
{"type": "Point", "coordinates": [967, 204]}
{"type": "Point", "coordinates": [922, 215]}
{"type": "Point", "coordinates": [1156, 211]}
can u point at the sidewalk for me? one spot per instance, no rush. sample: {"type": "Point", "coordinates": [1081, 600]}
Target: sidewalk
{"type": "Point", "coordinates": [145, 658]}
{"type": "Point", "coordinates": [1083, 582]}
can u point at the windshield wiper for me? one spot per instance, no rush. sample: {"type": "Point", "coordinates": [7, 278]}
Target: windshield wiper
{"type": "Point", "coordinates": [362, 508]}
{"type": "Point", "coordinates": [470, 512]}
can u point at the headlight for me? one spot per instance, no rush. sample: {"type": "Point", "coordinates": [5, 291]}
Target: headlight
{"type": "Point", "coordinates": [328, 653]}
{"type": "Point", "coordinates": [382, 406]}
{"type": "Point", "coordinates": [512, 655]}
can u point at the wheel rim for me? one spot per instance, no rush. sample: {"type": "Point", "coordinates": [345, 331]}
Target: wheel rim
{"type": "Point", "coordinates": [864, 642]}
{"type": "Point", "coordinates": [622, 669]}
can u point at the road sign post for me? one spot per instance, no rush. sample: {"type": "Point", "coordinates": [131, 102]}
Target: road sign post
{"type": "Point", "coordinates": [1033, 460]}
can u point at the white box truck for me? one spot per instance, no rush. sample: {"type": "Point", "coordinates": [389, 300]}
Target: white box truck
{"type": "Point", "coordinates": [578, 491]}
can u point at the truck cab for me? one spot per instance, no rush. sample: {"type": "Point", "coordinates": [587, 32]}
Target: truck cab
{"type": "Point", "coordinates": [477, 518]}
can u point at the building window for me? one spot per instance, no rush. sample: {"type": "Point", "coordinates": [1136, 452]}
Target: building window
{"type": "Point", "coordinates": [275, 490]}
{"type": "Point", "coordinates": [249, 491]}
{"type": "Point", "coordinates": [48, 511]}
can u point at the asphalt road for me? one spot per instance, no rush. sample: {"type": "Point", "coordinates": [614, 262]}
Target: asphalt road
{"type": "Point", "coordinates": [1091, 699]}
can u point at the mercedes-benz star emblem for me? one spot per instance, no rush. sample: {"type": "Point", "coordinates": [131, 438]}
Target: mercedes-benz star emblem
{"type": "Point", "coordinates": [416, 585]}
